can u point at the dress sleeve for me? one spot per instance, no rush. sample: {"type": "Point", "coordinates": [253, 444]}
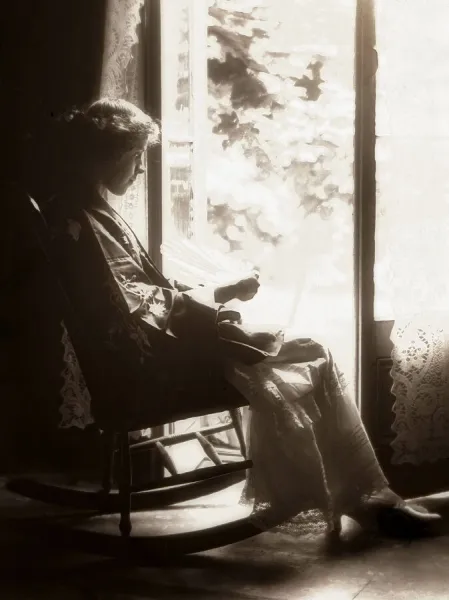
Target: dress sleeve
{"type": "Point", "coordinates": [202, 293]}
{"type": "Point", "coordinates": [165, 309]}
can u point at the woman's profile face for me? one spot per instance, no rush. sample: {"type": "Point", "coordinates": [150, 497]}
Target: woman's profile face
{"type": "Point", "coordinates": [122, 173]}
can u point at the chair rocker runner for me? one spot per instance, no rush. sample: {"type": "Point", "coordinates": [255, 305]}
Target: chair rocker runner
{"type": "Point", "coordinates": [126, 498]}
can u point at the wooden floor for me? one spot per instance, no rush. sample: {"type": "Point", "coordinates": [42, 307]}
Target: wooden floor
{"type": "Point", "coordinates": [275, 565]}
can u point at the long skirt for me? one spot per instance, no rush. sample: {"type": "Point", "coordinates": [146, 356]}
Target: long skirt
{"type": "Point", "coordinates": [310, 451]}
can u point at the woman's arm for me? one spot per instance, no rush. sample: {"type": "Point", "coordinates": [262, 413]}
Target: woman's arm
{"type": "Point", "coordinates": [242, 289]}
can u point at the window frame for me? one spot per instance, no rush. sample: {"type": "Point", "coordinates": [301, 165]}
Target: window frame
{"type": "Point", "coordinates": [153, 104]}
{"type": "Point", "coordinates": [151, 20]}
{"type": "Point", "coordinates": [365, 206]}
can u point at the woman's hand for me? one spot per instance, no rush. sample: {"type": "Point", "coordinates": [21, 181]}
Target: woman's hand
{"type": "Point", "coordinates": [247, 288]}
{"type": "Point", "coordinates": [244, 289]}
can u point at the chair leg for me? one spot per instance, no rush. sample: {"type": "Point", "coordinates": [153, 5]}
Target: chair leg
{"type": "Point", "coordinates": [236, 417]}
{"type": "Point", "coordinates": [108, 461]}
{"type": "Point", "coordinates": [108, 466]}
{"type": "Point", "coordinates": [125, 477]}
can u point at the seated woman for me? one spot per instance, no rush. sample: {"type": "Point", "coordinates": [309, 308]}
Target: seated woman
{"type": "Point", "coordinates": [308, 445]}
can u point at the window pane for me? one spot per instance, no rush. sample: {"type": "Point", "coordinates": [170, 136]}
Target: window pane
{"type": "Point", "coordinates": [177, 138]}
{"type": "Point", "coordinates": [412, 157]}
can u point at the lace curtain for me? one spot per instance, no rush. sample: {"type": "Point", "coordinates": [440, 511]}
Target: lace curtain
{"type": "Point", "coordinates": [418, 289]}
{"type": "Point", "coordinates": [122, 77]}
{"type": "Point", "coordinates": [412, 241]}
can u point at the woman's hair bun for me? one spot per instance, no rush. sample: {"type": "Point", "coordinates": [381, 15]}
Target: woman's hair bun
{"type": "Point", "coordinates": [101, 132]}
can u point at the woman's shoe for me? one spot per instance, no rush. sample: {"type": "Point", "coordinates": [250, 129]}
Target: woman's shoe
{"type": "Point", "coordinates": [407, 520]}
{"type": "Point", "coordinates": [397, 520]}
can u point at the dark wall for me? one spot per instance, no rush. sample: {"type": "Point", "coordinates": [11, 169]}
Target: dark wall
{"type": "Point", "coordinates": [50, 54]}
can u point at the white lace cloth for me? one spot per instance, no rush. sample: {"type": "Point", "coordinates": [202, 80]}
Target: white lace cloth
{"type": "Point", "coordinates": [421, 386]}
{"type": "Point", "coordinates": [122, 20]}
{"type": "Point", "coordinates": [75, 408]}
{"type": "Point", "coordinates": [123, 77]}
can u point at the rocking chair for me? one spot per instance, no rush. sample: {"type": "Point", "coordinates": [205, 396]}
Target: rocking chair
{"type": "Point", "coordinates": [127, 497]}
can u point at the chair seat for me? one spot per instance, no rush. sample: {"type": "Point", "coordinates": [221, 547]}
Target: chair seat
{"type": "Point", "coordinates": [187, 403]}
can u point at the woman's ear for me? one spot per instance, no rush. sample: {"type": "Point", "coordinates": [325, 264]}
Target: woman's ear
{"type": "Point", "coordinates": [104, 169]}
